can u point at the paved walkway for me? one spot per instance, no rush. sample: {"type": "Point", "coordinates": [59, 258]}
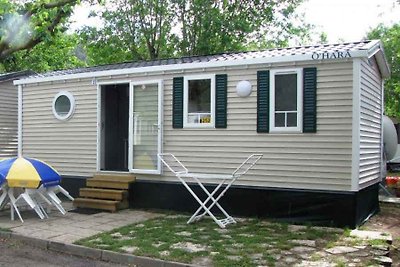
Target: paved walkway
{"type": "Point", "coordinates": [72, 226]}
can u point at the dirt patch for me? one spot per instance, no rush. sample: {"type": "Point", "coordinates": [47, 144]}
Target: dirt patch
{"type": "Point", "coordinates": [388, 220]}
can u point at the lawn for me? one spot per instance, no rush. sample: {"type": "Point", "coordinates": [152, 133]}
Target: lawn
{"type": "Point", "coordinates": [251, 242]}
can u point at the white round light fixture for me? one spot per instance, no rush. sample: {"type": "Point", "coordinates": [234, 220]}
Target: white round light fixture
{"type": "Point", "coordinates": [243, 88]}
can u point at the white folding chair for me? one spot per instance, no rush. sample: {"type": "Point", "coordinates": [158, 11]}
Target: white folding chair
{"type": "Point", "coordinates": [58, 189]}
{"type": "Point", "coordinates": [4, 195]}
{"type": "Point", "coordinates": [225, 181]}
{"type": "Point", "coordinates": [7, 196]}
{"type": "Point", "coordinates": [51, 192]}
{"type": "Point", "coordinates": [33, 197]}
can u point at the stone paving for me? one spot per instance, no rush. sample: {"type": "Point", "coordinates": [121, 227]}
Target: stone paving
{"type": "Point", "coordinates": [72, 226]}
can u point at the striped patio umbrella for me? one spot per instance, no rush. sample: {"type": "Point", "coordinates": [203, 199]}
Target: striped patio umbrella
{"type": "Point", "coordinates": [28, 173]}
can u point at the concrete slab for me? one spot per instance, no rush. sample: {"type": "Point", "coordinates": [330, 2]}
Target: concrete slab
{"type": "Point", "coordinates": [72, 226]}
{"type": "Point", "coordinates": [392, 200]}
{"type": "Point", "coordinates": [67, 238]}
{"type": "Point", "coordinates": [105, 227]}
{"type": "Point", "coordinates": [371, 235]}
{"type": "Point", "coordinates": [45, 235]}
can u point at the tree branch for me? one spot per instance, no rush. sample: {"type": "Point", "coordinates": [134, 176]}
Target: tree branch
{"type": "Point", "coordinates": [56, 21]}
{"type": "Point", "coordinates": [8, 51]}
{"type": "Point", "coordinates": [59, 3]}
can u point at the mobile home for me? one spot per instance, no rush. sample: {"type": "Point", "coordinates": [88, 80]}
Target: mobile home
{"type": "Point", "coordinates": [314, 112]}
{"type": "Point", "coordinates": [9, 113]}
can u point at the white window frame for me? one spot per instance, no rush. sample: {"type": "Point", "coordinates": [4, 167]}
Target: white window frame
{"type": "Point", "coordinates": [298, 128]}
{"type": "Point", "coordinates": [71, 111]}
{"type": "Point", "coordinates": [186, 124]}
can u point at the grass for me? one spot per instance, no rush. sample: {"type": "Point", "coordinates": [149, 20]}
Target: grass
{"type": "Point", "coordinates": [5, 229]}
{"type": "Point", "coordinates": [251, 242]}
{"type": "Point", "coordinates": [377, 243]}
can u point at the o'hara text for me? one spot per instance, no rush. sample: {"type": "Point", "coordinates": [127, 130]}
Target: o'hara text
{"type": "Point", "coordinates": [330, 55]}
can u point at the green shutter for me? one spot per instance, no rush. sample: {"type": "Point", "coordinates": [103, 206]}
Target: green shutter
{"type": "Point", "coordinates": [220, 100]}
{"type": "Point", "coordinates": [310, 100]}
{"type": "Point", "coordinates": [263, 101]}
{"type": "Point", "coordinates": [177, 103]}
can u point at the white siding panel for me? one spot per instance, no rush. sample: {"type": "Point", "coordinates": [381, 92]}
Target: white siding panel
{"type": "Point", "coordinates": [310, 161]}
{"type": "Point", "coordinates": [8, 119]}
{"type": "Point", "coordinates": [370, 123]}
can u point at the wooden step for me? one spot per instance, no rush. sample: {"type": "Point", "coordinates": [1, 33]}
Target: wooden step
{"type": "Point", "coordinates": [101, 204]}
{"type": "Point", "coordinates": [105, 191]}
{"type": "Point", "coordinates": [128, 177]}
{"type": "Point", "coordinates": [107, 184]}
{"type": "Point", "coordinates": [100, 193]}
{"type": "Point", "coordinates": [111, 181]}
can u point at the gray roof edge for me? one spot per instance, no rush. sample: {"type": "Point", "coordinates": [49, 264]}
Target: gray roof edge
{"type": "Point", "coordinates": [99, 71]}
{"type": "Point", "coordinates": [381, 59]}
{"type": "Point", "coordinates": [15, 75]}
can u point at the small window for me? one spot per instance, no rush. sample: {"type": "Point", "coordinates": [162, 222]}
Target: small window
{"type": "Point", "coordinates": [199, 101]}
{"type": "Point", "coordinates": [63, 105]}
{"type": "Point", "coordinates": [286, 100]}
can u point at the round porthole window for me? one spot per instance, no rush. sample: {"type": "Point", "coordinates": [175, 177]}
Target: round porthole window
{"type": "Point", "coordinates": [63, 105]}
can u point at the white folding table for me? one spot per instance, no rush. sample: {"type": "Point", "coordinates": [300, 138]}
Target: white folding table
{"type": "Point", "coordinates": [224, 182]}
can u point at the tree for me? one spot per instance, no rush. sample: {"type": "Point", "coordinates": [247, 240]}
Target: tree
{"type": "Point", "coordinates": [133, 30]}
{"type": "Point", "coordinates": [218, 26]}
{"type": "Point", "coordinates": [390, 36]}
{"type": "Point", "coordinates": [60, 52]}
{"type": "Point", "coordinates": [25, 24]}
{"type": "Point", "coordinates": [154, 29]}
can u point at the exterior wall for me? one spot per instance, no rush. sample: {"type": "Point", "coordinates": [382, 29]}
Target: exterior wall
{"type": "Point", "coordinates": [370, 123]}
{"type": "Point", "coordinates": [309, 161]}
{"type": "Point", "coordinates": [8, 119]}
{"type": "Point", "coordinates": [70, 146]}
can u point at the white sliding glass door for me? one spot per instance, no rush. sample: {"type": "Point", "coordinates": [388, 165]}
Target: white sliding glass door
{"type": "Point", "coordinates": [145, 114]}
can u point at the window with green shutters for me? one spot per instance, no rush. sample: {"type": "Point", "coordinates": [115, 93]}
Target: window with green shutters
{"type": "Point", "coordinates": [286, 97]}
{"type": "Point", "coordinates": [200, 101]}
{"type": "Point", "coordinates": [286, 100]}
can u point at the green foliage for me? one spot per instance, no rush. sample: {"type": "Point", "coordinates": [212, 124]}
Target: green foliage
{"type": "Point", "coordinates": [60, 52]}
{"type": "Point", "coordinates": [390, 36]}
{"type": "Point", "coordinates": [25, 24]}
{"type": "Point", "coordinates": [133, 30]}
{"type": "Point", "coordinates": [155, 29]}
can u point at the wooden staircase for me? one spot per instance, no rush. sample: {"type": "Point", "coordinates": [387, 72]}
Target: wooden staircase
{"type": "Point", "coordinates": [105, 192]}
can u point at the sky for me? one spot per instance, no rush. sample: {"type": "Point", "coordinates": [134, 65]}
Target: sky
{"type": "Point", "coordinates": [341, 20]}
{"type": "Point", "coordinates": [349, 20]}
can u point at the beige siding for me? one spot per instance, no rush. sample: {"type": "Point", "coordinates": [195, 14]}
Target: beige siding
{"type": "Point", "coordinates": [8, 119]}
{"type": "Point", "coordinates": [68, 145]}
{"type": "Point", "coordinates": [370, 122]}
{"type": "Point", "coordinates": [310, 161]}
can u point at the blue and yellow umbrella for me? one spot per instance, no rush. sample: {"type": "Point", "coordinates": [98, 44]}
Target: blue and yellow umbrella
{"type": "Point", "coordinates": [28, 173]}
